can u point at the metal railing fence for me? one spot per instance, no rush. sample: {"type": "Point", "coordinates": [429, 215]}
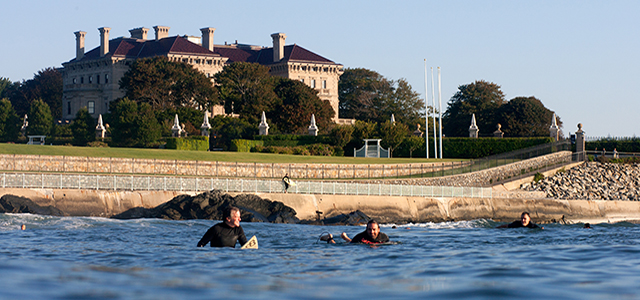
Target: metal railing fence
{"type": "Point", "coordinates": [193, 184]}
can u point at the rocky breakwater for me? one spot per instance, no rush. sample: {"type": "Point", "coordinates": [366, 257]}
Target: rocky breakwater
{"type": "Point", "coordinates": [592, 181]}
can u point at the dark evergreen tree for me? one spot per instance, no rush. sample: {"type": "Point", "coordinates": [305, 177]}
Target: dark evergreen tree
{"type": "Point", "coordinates": [392, 134]}
{"type": "Point", "coordinates": [134, 124]}
{"type": "Point", "coordinates": [40, 119]}
{"type": "Point", "coordinates": [83, 128]}
{"type": "Point", "coordinates": [297, 103]}
{"type": "Point", "coordinates": [9, 122]}
{"type": "Point", "coordinates": [525, 117]}
{"type": "Point", "coordinates": [482, 98]}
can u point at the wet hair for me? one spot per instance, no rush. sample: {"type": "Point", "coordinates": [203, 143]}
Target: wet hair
{"type": "Point", "coordinates": [372, 221]}
{"type": "Point", "coordinates": [525, 213]}
{"type": "Point", "coordinates": [587, 225]}
{"type": "Point", "coordinates": [229, 211]}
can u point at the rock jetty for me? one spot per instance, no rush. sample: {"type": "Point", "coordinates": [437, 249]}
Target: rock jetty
{"type": "Point", "coordinates": [592, 181]}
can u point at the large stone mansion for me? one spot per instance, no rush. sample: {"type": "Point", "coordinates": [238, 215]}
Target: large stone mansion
{"type": "Point", "coordinates": [92, 78]}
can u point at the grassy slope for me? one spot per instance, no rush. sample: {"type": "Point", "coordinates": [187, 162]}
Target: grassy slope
{"type": "Point", "coordinates": [198, 155]}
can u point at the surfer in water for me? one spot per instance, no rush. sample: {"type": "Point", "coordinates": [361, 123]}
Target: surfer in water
{"type": "Point", "coordinates": [226, 233]}
{"type": "Point", "coordinates": [525, 221]}
{"type": "Point", "coordinates": [371, 235]}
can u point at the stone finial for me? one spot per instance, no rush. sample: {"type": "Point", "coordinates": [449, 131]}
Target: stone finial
{"type": "Point", "coordinates": [263, 128]}
{"type": "Point", "coordinates": [393, 119]}
{"type": "Point", "coordinates": [473, 129]}
{"type": "Point", "coordinates": [580, 140]}
{"type": "Point", "coordinates": [100, 129]}
{"type": "Point", "coordinates": [204, 129]}
{"type": "Point", "coordinates": [313, 129]}
{"type": "Point", "coordinates": [498, 133]}
{"type": "Point", "coordinates": [554, 130]}
{"type": "Point", "coordinates": [176, 130]}
{"type": "Point", "coordinates": [25, 124]}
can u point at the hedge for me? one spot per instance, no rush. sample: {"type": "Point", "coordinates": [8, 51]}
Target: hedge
{"type": "Point", "coordinates": [474, 148]}
{"type": "Point", "coordinates": [630, 145]}
{"type": "Point", "coordinates": [292, 140]}
{"type": "Point", "coordinates": [240, 145]}
{"type": "Point", "coordinates": [197, 143]}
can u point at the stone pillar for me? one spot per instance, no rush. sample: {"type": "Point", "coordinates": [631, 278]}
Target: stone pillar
{"type": "Point", "coordinates": [313, 129]}
{"type": "Point", "coordinates": [473, 129]}
{"type": "Point", "coordinates": [161, 32]}
{"type": "Point", "coordinates": [554, 130]}
{"type": "Point", "coordinates": [139, 33]}
{"type": "Point", "coordinates": [104, 40]}
{"type": "Point", "coordinates": [204, 129]}
{"type": "Point", "coordinates": [79, 44]}
{"type": "Point", "coordinates": [263, 128]}
{"type": "Point", "coordinates": [278, 46]}
{"type": "Point", "coordinates": [580, 142]}
{"type": "Point", "coordinates": [207, 37]}
{"type": "Point", "coordinates": [393, 119]}
{"type": "Point", "coordinates": [175, 129]}
{"type": "Point", "coordinates": [498, 133]}
{"type": "Point", "coordinates": [100, 129]}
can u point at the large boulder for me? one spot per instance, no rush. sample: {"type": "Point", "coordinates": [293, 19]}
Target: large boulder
{"type": "Point", "coordinates": [211, 206]}
{"type": "Point", "coordinates": [353, 218]}
{"type": "Point", "coordinates": [17, 204]}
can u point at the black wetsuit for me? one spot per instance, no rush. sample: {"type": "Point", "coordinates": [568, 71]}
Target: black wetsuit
{"type": "Point", "coordinates": [518, 224]}
{"type": "Point", "coordinates": [222, 235]}
{"type": "Point", "coordinates": [364, 238]}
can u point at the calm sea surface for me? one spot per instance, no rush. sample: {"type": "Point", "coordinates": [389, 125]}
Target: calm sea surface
{"type": "Point", "coordinates": [79, 258]}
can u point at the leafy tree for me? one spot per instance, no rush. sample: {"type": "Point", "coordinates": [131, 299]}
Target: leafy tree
{"type": "Point", "coordinates": [4, 84]}
{"type": "Point", "coordinates": [413, 142]}
{"type": "Point", "coordinates": [9, 122]}
{"type": "Point", "coordinates": [40, 119]}
{"type": "Point", "coordinates": [46, 85]}
{"type": "Point", "coordinates": [298, 102]}
{"type": "Point", "coordinates": [191, 117]}
{"type": "Point", "coordinates": [247, 90]}
{"type": "Point", "coordinates": [17, 94]}
{"type": "Point", "coordinates": [363, 130]}
{"type": "Point", "coordinates": [167, 84]}
{"type": "Point", "coordinates": [83, 128]}
{"type": "Point", "coordinates": [482, 98]}
{"type": "Point", "coordinates": [225, 129]}
{"type": "Point", "coordinates": [342, 135]}
{"type": "Point", "coordinates": [133, 124]}
{"type": "Point", "coordinates": [392, 134]}
{"type": "Point", "coordinates": [367, 95]}
{"type": "Point", "coordinates": [525, 117]}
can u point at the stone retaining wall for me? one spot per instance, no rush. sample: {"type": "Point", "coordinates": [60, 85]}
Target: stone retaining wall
{"type": "Point", "coordinates": [44, 163]}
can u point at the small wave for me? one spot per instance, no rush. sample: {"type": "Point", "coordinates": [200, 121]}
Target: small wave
{"type": "Point", "coordinates": [480, 223]}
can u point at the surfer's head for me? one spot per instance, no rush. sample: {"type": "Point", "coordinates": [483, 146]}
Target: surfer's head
{"type": "Point", "coordinates": [525, 218]}
{"type": "Point", "coordinates": [232, 216]}
{"type": "Point", "coordinates": [373, 229]}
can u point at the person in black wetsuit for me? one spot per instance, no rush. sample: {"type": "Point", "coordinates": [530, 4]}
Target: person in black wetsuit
{"type": "Point", "coordinates": [371, 235]}
{"type": "Point", "coordinates": [286, 181]}
{"type": "Point", "coordinates": [226, 233]}
{"type": "Point", "coordinates": [525, 221]}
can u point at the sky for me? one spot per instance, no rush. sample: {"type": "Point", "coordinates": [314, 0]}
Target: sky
{"type": "Point", "coordinates": [580, 58]}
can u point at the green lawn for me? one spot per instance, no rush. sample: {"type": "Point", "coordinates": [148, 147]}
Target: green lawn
{"type": "Point", "coordinates": [199, 155]}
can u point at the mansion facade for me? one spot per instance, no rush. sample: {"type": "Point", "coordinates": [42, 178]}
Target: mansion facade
{"type": "Point", "coordinates": [92, 78]}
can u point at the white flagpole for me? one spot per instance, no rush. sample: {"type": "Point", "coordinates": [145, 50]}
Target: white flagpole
{"type": "Point", "coordinates": [433, 100]}
{"type": "Point", "coordinates": [426, 110]}
{"type": "Point", "coordinates": [440, 108]}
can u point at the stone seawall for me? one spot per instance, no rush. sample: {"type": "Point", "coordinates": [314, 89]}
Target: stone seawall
{"type": "Point", "coordinates": [386, 209]}
{"type": "Point", "coordinates": [101, 165]}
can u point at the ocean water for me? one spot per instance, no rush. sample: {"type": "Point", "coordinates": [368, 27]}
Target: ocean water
{"type": "Point", "coordinates": [97, 258]}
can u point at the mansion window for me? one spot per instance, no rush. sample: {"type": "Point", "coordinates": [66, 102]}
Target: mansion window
{"type": "Point", "coordinates": [106, 78]}
{"type": "Point", "coordinates": [313, 83]}
{"type": "Point", "coordinates": [75, 80]}
{"type": "Point", "coordinates": [69, 105]}
{"type": "Point", "coordinates": [324, 84]}
{"type": "Point", "coordinates": [98, 79]}
{"type": "Point", "coordinates": [81, 80]}
{"type": "Point", "coordinates": [91, 107]}
{"type": "Point", "coordinates": [90, 79]}
{"type": "Point", "coordinates": [302, 80]}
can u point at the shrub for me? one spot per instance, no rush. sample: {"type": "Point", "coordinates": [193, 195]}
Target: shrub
{"type": "Point", "coordinates": [197, 143]}
{"type": "Point", "coordinates": [539, 176]}
{"type": "Point", "coordinates": [241, 145]}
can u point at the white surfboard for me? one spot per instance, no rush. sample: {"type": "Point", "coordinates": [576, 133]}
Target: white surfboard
{"type": "Point", "coordinates": [251, 244]}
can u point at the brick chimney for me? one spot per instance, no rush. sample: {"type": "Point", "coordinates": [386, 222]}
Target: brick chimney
{"type": "Point", "coordinates": [278, 46]}
{"type": "Point", "coordinates": [139, 33]}
{"type": "Point", "coordinates": [207, 37]}
{"type": "Point", "coordinates": [161, 32]}
{"type": "Point", "coordinates": [104, 40]}
{"type": "Point", "coordinates": [79, 44]}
